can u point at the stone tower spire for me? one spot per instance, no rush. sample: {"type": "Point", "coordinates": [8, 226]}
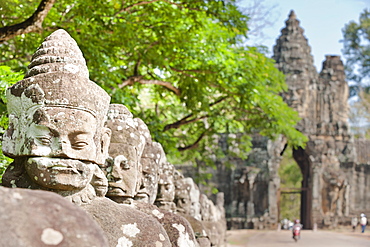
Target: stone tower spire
{"type": "Point", "coordinates": [293, 57]}
{"type": "Point", "coordinates": [333, 107]}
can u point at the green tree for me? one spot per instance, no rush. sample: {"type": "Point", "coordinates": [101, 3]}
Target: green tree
{"type": "Point", "coordinates": [356, 51]}
{"type": "Point", "coordinates": [181, 66]}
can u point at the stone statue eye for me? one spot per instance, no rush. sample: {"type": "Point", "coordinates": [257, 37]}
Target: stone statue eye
{"type": "Point", "coordinates": [124, 165]}
{"type": "Point", "coordinates": [79, 145]}
{"type": "Point", "coordinates": [44, 140]}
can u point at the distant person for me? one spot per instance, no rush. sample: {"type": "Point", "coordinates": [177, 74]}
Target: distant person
{"type": "Point", "coordinates": [354, 223]}
{"type": "Point", "coordinates": [363, 222]}
{"type": "Point", "coordinates": [296, 229]}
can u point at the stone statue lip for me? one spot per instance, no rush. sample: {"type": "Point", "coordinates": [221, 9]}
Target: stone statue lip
{"type": "Point", "coordinates": [116, 191]}
{"type": "Point", "coordinates": [141, 195]}
{"type": "Point", "coordinates": [61, 165]}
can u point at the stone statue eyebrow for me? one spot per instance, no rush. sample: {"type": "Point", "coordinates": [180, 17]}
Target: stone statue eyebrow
{"type": "Point", "coordinates": [77, 133]}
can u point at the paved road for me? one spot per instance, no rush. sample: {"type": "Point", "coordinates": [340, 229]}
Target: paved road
{"type": "Point", "coordinates": [253, 238]}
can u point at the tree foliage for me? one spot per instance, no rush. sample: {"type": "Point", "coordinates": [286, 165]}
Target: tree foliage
{"type": "Point", "coordinates": [356, 41]}
{"type": "Point", "coordinates": [181, 66]}
{"type": "Point", "coordinates": [356, 51]}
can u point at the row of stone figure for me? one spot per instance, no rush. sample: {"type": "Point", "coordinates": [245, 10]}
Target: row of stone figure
{"type": "Point", "coordinates": [65, 137]}
{"type": "Point", "coordinates": [139, 174]}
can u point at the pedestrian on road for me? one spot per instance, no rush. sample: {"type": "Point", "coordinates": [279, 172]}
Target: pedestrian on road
{"type": "Point", "coordinates": [363, 222]}
{"type": "Point", "coordinates": [354, 223]}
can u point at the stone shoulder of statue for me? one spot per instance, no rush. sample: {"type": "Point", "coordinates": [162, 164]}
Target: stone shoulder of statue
{"type": "Point", "coordinates": [42, 218]}
{"type": "Point", "coordinates": [179, 230]}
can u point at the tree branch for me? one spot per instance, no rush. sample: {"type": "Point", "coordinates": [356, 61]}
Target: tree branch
{"type": "Point", "coordinates": [133, 5]}
{"type": "Point", "coordinates": [152, 1]}
{"type": "Point", "coordinates": [184, 120]}
{"type": "Point", "coordinates": [194, 145]}
{"type": "Point", "coordinates": [32, 24]}
{"type": "Point", "coordinates": [130, 81]}
{"type": "Point", "coordinates": [191, 70]}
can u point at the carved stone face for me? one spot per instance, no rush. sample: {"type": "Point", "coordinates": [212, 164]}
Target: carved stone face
{"type": "Point", "coordinates": [205, 207]}
{"type": "Point", "coordinates": [194, 199]}
{"type": "Point", "coordinates": [149, 182]}
{"type": "Point", "coordinates": [124, 169]}
{"type": "Point", "coordinates": [61, 141]}
{"type": "Point", "coordinates": [166, 186]}
{"type": "Point", "coordinates": [63, 133]}
{"type": "Point", "coordinates": [182, 196]}
{"type": "Point", "coordinates": [123, 175]}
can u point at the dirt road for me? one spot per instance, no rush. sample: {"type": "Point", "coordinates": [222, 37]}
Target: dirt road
{"type": "Point", "coordinates": [283, 238]}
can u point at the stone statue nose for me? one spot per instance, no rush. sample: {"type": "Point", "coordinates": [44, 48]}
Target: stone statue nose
{"type": "Point", "coordinates": [62, 148]}
{"type": "Point", "coordinates": [116, 172]}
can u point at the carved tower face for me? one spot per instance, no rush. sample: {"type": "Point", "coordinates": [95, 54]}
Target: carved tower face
{"type": "Point", "coordinates": [127, 143]}
{"type": "Point", "coordinates": [56, 116]}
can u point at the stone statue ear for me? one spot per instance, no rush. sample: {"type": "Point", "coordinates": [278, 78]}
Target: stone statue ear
{"type": "Point", "coordinates": [104, 146]}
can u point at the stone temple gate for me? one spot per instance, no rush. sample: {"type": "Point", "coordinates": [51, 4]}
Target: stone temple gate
{"type": "Point", "coordinates": [335, 166]}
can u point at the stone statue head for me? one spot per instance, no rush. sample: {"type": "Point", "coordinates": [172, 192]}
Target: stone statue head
{"type": "Point", "coordinates": [166, 187]}
{"type": "Point", "coordinates": [182, 194]}
{"type": "Point", "coordinates": [205, 207]}
{"type": "Point", "coordinates": [194, 194]}
{"type": "Point", "coordinates": [56, 131]}
{"type": "Point", "coordinates": [126, 147]}
{"type": "Point", "coordinates": [150, 159]}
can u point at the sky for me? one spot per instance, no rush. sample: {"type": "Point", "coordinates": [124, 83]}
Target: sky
{"type": "Point", "coordinates": [322, 21]}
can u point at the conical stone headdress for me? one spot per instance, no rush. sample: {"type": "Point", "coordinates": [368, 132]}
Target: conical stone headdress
{"type": "Point", "coordinates": [57, 77]}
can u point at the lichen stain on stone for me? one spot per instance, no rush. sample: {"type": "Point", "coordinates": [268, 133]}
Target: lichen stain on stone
{"type": "Point", "coordinates": [157, 214]}
{"type": "Point", "coordinates": [56, 81]}
{"type": "Point", "coordinates": [124, 242]}
{"type": "Point", "coordinates": [130, 230]}
{"type": "Point", "coordinates": [16, 195]}
{"type": "Point", "coordinates": [50, 236]}
{"type": "Point", "coordinates": [184, 238]}
{"type": "Point", "coordinates": [72, 68]}
{"type": "Point", "coordinates": [161, 237]}
{"type": "Point", "coordinates": [158, 244]}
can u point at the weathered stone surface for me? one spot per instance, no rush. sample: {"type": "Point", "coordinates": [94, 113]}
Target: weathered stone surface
{"type": "Point", "coordinates": [126, 226]}
{"type": "Point", "coordinates": [41, 218]}
{"type": "Point", "coordinates": [177, 227]}
{"type": "Point", "coordinates": [199, 229]}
